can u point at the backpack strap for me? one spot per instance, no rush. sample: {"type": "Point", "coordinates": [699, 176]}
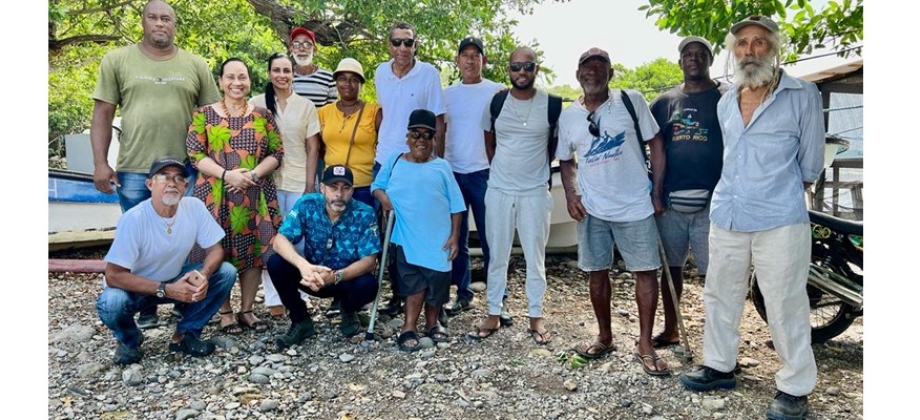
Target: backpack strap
{"type": "Point", "coordinates": [553, 110]}
{"type": "Point", "coordinates": [632, 113]}
{"type": "Point", "coordinates": [495, 107]}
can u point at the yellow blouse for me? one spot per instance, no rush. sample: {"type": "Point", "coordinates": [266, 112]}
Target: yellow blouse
{"type": "Point", "coordinates": [336, 134]}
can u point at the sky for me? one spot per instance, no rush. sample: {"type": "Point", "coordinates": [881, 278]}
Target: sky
{"type": "Point", "coordinates": [630, 37]}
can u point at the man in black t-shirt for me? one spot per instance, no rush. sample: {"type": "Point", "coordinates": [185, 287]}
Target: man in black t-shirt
{"type": "Point", "coordinates": [693, 147]}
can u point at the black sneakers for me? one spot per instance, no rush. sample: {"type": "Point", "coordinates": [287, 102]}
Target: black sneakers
{"type": "Point", "coordinates": [125, 355]}
{"type": "Point", "coordinates": [296, 334]}
{"type": "Point", "coordinates": [147, 320]}
{"type": "Point", "coordinates": [707, 379]}
{"type": "Point", "coordinates": [335, 308]}
{"type": "Point", "coordinates": [460, 305]}
{"type": "Point", "coordinates": [192, 346]}
{"type": "Point", "coordinates": [350, 324]}
{"type": "Point", "coordinates": [787, 407]}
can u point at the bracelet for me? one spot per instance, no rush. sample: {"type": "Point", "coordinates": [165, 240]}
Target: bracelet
{"type": "Point", "coordinates": [224, 173]}
{"type": "Point", "coordinates": [255, 177]}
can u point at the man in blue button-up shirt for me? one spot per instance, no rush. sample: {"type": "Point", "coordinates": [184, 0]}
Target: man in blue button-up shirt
{"type": "Point", "coordinates": [773, 132]}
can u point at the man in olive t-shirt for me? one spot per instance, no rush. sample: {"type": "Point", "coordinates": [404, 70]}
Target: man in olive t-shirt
{"type": "Point", "coordinates": [157, 85]}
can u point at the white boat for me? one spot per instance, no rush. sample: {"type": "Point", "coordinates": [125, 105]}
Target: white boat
{"type": "Point", "coordinates": [78, 215]}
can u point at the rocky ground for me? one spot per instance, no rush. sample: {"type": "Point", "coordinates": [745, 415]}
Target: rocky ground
{"type": "Point", "coordinates": [507, 376]}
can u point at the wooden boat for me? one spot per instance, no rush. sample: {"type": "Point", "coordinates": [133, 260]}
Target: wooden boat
{"type": "Point", "coordinates": [78, 215]}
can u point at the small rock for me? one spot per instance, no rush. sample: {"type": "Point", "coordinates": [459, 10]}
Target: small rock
{"type": "Point", "coordinates": [478, 286]}
{"type": "Point", "coordinates": [570, 385]}
{"type": "Point", "coordinates": [647, 409]}
{"type": "Point", "coordinates": [268, 405]}
{"type": "Point", "coordinates": [441, 378]}
{"type": "Point", "coordinates": [625, 403]}
{"type": "Point", "coordinates": [395, 323]}
{"type": "Point", "coordinates": [91, 369]}
{"type": "Point", "coordinates": [427, 353]}
{"type": "Point", "coordinates": [198, 405]}
{"type": "Point", "coordinates": [75, 334]}
{"type": "Point", "coordinates": [264, 371]}
{"type": "Point", "coordinates": [748, 362]}
{"type": "Point", "coordinates": [132, 377]}
{"type": "Point", "coordinates": [835, 391]}
{"type": "Point", "coordinates": [623, 312]}
{"type": "Point", "coordinates": [258, 379]}
{"type": "Point", "coordinates": [713, 404]}
{"type": "Point", "coordinates": [275, 358]}
{"type": "Point", "coordinates": [224, 342]}
{"type": "Point", "coordinates": [256, 360]}
{"type": "Point", "coordinates": [346, 357]}
{"type": "Point", "coordinates": [481, 373]}
{"type": "Point", "coordinates": [185, 413]}
{"type": "Point", "coordinates": [399, 394]}
{"type": "Point", "coordinates": [426, 342]}
{"type": "Point", "coordinates": [541, 352]}
{"type": "Point", "coordinates": [231, 405]}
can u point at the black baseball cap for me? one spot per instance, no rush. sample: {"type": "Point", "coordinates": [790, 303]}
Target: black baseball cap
{"type": "Point", "coordinates": [336, 173]}
{"type": "Point", "coordinates": [423, 118]}
{"type": "Point", "coordinates": [470, 41]}
{"type": "Point", "coordinates": [163, 162]}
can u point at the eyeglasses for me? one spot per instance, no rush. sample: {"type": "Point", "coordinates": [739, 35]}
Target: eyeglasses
{"type": "Point", "coordinates": [592, 126]}
{"type": "Point", "coordinates": [526, 65]}
{"type": "Point", "coordinates": [298, 44]}
{"type": "Point", "coordinates": [427, 135]}
{"type": "Point", "coordinates": [408, 42]}
{"type": "Point", "coordinates": [161, 178]}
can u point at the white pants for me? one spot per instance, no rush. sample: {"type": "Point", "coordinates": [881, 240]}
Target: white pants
{"type": "Point", "coordinates": [530, 216]}
{"type": "Point", "coordinates": [781, 257]}
{"type": "Point", "coordinates": [286, 201]}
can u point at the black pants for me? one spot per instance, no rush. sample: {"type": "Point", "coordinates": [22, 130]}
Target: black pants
{"type": "Point", "coordinates": [353, 294]}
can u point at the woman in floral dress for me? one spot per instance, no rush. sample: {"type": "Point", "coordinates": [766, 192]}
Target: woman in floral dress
{"type": "Point", "coordinates": [236, 148]}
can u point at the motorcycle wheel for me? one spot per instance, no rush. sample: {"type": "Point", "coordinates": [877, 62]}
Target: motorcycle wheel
{"type": "Point", "coordinates": [829, 316]}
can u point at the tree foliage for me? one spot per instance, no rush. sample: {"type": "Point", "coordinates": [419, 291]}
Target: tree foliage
{"type": "Point", "coordinates": [838, 26]}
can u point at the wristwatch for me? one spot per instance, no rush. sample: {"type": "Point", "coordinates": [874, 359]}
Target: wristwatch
{"type": "Point", "coordinates": [255, 178]}
{"type": "Point", "coordinates": [339, 274]}
{"type": "Point", "coordinates": [161, 290]}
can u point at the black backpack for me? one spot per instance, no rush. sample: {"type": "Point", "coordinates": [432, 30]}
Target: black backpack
{"type": "Point", "coordinates": [553, 109]}
{"type": "Point", "coordinates": [632, 113]}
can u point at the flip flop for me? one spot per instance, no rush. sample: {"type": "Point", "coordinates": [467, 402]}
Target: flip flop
{"type": "Point", "coordinates": [438, 334]}
{"type": "Point", "coordinates": [478, 334]}
{"type": "Point", "coordinates": [600, 350]}
{"type": "Point", "coordinates": [654, 359]}
{"type": "Point", "coordinates": [406, 336]}
{"type": "Point", "coordinates": [540, 338]}
{"type": "Point", "coordinates": [658, 342]}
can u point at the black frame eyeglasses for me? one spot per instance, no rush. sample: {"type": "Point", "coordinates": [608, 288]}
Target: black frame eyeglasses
{"type": "Point", "coordinates": [427, 135]}
{"type": "Point", "coordinates": [592, 126]}
{"type": "Point", "coordinates": [525, 65]}
{"type": "Point", "coordinates": [408, 42]}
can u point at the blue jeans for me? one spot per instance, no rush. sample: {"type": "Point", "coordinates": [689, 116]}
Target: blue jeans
{"type": "Point", "coordinates": [116, 307]}
{"type": "Point", "coordinates": [133, 188]}
{"type": "Point", "coordinates": [473, 187]}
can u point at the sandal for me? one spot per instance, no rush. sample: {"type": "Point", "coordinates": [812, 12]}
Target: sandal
{"type": "Point", "coordinates": [406, 336]}
{"type": "Point", "coordinates": [438, 334]}
{"type": "Point", "coordinates": [232, 328]}
{"type": "Point", "coordinates": [656, 371]}
{"type": "Point", "coordinates": [258, 326]}
{"type": "Point", "coordinates": [658, 342]}
{"type": "Point", "coordinates": [541, 337]}
{"type": "Point", "coordinates": [595, 350]}
{"type": "Point", "coordinates": [276, 311]}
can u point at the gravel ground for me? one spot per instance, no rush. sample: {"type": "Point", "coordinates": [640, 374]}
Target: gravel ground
{"type": "Point", "coordinates": [507, 376]}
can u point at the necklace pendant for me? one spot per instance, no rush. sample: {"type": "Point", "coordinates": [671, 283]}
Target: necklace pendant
{"type": "Point", "coordinates": [525, 124]}
{"type": "Point", "coordinates": [168, 230]}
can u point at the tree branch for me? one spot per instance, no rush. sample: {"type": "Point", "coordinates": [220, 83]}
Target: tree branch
{"type": "Point", "coordinates": [57, 44]}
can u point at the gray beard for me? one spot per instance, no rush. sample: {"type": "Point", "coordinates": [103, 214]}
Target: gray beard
{"type": "Point", "coordinates": [303, 62]}
{"type": "Point", "coordinates": [758, 75]}
{"type": "Point", "coordinates": [171, 199]}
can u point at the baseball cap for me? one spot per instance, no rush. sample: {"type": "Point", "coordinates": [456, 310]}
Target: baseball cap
{"type": "Point", "coordinates": [163, 162]}
{"type": "Point", "coordinates": [593, 52]}
{"type": "Point", "coordinates": [465, 42]}
{"type": "Point", "coordinates": [689, 39]}
{"type": "Point", "coordinates": [762, 21]}
{"type": "Point", "coordinates": [422, 118]}
{"type": "Point", "coordinates": [336, 173]}
{"type": "Point", "coordinates": [303, 31]}
{"type": "Point", "coordinates": [349, 64]}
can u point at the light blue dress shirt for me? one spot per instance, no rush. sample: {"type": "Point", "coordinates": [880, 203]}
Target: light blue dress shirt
{"type": "Point", "coordinates": [765, 163]}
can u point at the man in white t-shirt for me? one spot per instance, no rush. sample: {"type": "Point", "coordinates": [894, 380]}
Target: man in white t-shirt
{"type": "Point", "coordinates": [146, 265]}
{"type": "Point", "coordinates": [518, 196]}
{"type": "Point", "coordinates": [465, 150]}
{"type": "Point", "coordinates": [403, 85]}
{"type": "Point", "coordinates": [611, 202]}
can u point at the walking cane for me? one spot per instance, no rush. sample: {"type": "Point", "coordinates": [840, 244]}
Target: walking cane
{"type": "Point", "coordinates": [680, 318]}
{"type": "Point", "coordinates": [383, 263]}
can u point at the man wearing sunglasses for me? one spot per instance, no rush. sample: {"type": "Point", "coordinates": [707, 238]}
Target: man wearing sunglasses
{"type": "Point", "coordinates": [608, 195]}
{"type": "Point", "coordinates": [465, 150]}
{"type": "Point", "coordinates": [518, 196]}
{"type": "Point", "coordinates": [403, 85]}
{"type": "Point", "coordinates": [692, 139]}
{"type": "Point", "coordinates": [341, 242]}
{"type": "Point", "coordinates": [146, 265]}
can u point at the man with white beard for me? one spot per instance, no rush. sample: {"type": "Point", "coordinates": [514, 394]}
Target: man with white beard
{"type": "Point", "coordinates": [773, 131]}
{"type": "Point", "coordinates": [310, 81]}
{"type": "Point", "coordinates": [146, 265]}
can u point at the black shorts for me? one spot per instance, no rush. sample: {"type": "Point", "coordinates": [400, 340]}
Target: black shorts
{"type": "Point", "coordinates": [414, 279]}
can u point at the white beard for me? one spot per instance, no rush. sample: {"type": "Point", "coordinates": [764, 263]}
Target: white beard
{"type": "Point", "coordinates": [171, 199]}
{"type": "Point", "coordinates": [751, 71]}
{"type": "Point", "coordinates": [303, 59]}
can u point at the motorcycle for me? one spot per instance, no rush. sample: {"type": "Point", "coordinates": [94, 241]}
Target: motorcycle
{"type": "Point", "coordinates": [835, 278]}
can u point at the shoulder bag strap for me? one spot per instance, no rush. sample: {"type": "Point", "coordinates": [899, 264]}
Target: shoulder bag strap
{"type": "Point", "coordinates": [353, 132]}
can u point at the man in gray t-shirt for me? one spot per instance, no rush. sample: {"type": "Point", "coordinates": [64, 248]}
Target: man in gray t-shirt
{"type": "Point", "coordinates": [518, 197]}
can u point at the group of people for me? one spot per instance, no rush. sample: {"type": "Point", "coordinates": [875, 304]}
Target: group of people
{"type": "Point", "coordinates": [708, 168]}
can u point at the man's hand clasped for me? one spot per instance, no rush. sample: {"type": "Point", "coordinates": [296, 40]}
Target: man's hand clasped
{"type": "Point", "coordinates": [316, 276]}
{"type": "Point", "coordinates": [190, 288]}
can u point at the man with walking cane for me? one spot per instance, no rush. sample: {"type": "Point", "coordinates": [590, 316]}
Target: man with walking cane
{"type": "Point", "coordinates": [340, 252]}
{"type": "Point", "coordinates": [608, 130]}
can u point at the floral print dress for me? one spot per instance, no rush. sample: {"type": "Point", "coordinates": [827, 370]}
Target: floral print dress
{"type": "Point", "coordinates": [250, 218]}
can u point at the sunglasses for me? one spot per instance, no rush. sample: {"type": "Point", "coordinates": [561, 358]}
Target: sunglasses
{"type": "Point", "coordinates": [408, 42]}
{"type": "Point", "coordinates": [161, 178]}
{"type": "Point", "coordinates": [428, 135]}
{"type": "Point", "coordinates": [526, 65]}
{"type": "Point", "coordinates": [592, 126]}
